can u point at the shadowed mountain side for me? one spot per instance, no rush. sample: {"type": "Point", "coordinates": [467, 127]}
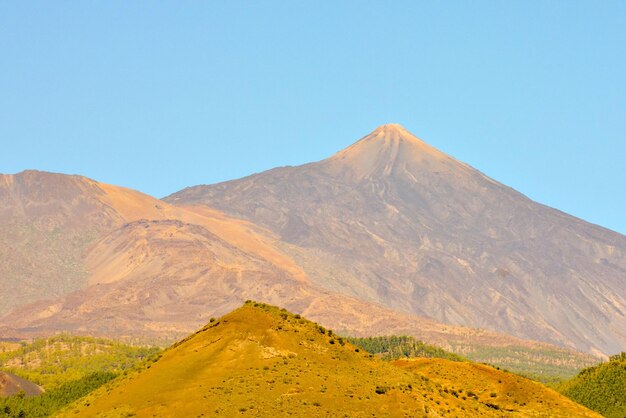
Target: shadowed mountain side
{"type": "Point", "coordinates": [263, 361]}
{"type": "Point", "coordinates": [393, 221]}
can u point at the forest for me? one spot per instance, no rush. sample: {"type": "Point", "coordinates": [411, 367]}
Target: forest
{"type": "Point", "coordinates": [67, 367]}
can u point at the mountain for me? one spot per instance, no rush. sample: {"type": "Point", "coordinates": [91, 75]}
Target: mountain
{"type": "Point", "coordinates": [393, 221]}
{"type": "Point", "coordinates": [63, 235]}
{"type": "Point", "coordinates": [263, 361]}
{"type": "Point", "coordinates": [601, 388]}
{"type": "Point", "coordinates": [101, 259]}
{"type": "Point", "coordinates": [46, 222]}
{"type": "Point", "coordinates": [150, 271]}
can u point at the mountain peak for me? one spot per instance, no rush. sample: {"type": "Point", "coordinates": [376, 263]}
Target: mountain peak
{"type": "Point", "coordinates": [384, 148]}
{"type": "Point", "coordinates": [394, 131]}
{"type": "Point", "coordinates": [391, 128]}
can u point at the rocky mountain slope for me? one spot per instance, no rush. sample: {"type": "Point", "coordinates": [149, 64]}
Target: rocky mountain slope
{"type": "Point", "coordinates": [46, 222]}
{"type": "Point", "coordinates": [154, 272]}
{"type": "Point", "coordinates": [393, 221]}
{"type": "Point", "coordinates": [263, 361]}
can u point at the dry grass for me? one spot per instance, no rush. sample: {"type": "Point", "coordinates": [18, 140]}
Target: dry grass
{"type": "Point", "coordinates": [261, 361]}
{"type": "Point", "coordinates": [504, 391]}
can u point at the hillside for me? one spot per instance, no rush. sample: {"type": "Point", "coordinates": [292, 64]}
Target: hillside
{"type": "Point", "coordinates": [66, 367]}
{"type": "Point", "coordinates": [51, 362]}
{"type": "Point", "coordinates": [547, 365]}
{"type": "Point", "coordinates": [263, 361]}
{"type": "Point", "coordinates": [155, 272]}
{"type": "Point", "coordinates": [502, 391]}
{"type": "Point", "coordinates": [54, 231]}
{"type": "Point", "coordinates": [601, 388]}
{"type": "Point", "coordinates": [46, 222]}
{"type": "Point", "coordinates": [394, 221]}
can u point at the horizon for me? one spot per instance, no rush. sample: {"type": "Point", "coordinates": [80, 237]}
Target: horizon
{"type": "Point", "coordinates": [530, 94]}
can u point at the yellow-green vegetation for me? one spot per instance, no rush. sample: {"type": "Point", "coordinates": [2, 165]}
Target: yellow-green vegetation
{"type": "Point", "coordinates": [544, 364]}
{"type": "Point", "coordinates": [44, 405]}
{"type": "Point", "coordinates": [396, 347]}
{"type": "Point", "coordinates": [549, 366]}
{"type": "Point", "coordinates": [601, 388]}
{"type": "Point", "coordinates": [51, 362]}
{"type": "Point", "coordinates": [67, 368]}
{"type": "Point", "coordinates": [263, 361]}
{"type": "Point", "coordinates": [8, 346]}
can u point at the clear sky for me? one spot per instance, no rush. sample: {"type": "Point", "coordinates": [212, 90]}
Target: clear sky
{"type": "Point", "coordinates": [158, 96]}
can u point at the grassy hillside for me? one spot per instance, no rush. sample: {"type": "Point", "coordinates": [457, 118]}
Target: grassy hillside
{"type": "Point", "coordinates": [601, 388]}
{"type": "Point", "coordinates": [262, 361]}
{"type": "Point", "coordinates": [502, 391]}
{"type": "Point", "coordinates": [67, 368]}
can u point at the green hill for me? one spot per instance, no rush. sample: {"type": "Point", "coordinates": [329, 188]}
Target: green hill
{"type": "Point", "coordinates": [601, 388]}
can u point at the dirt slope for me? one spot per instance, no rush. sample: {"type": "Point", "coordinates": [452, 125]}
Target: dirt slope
{"type": "Point", "coordinates": [13, 385]}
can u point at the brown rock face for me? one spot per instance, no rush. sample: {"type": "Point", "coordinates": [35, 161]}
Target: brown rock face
{"type": "Point", "coordinates": [393, 221]}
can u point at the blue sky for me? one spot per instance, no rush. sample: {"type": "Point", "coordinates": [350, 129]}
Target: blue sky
{"type": "Point", "coordinates": [157, 96]}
